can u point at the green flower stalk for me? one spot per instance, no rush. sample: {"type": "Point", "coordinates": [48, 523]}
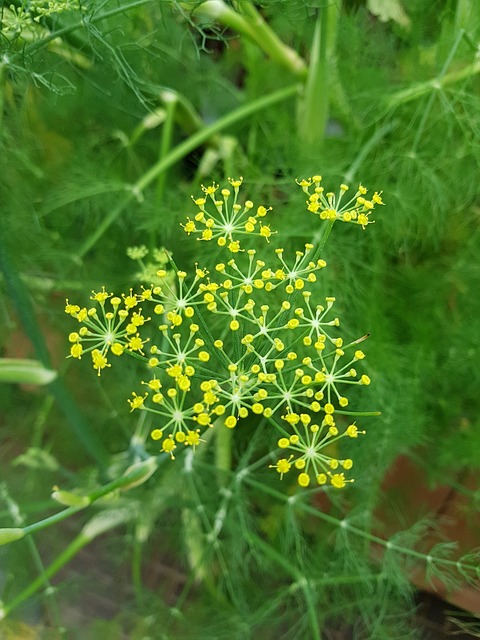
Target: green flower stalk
{"type": "Point", "coordinates": [246, 339]}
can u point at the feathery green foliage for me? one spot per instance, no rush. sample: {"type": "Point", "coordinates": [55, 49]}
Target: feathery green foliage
{"type": "Point", "coordinates": [112, 115]}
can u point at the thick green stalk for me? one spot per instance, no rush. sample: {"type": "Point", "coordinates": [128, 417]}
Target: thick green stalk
{"type": "Point", "coordinates": [313, 109]}
{"type": "Point", "coordinates": [221, 12]}
{"type": "Point", "coordinates": [467, 14]}
{"type": "Point", "coordinates": [180, 151]}
{"type": "Point", "coordinates": [269, 41]}
{"type": "Point", "coordinates": [253, 26]}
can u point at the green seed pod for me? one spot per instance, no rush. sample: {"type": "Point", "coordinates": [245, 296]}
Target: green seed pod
{"type": "Point", "coordinates": [139, 473]}
{"type": "Point", "coordinates": [11, 535]}
{"type": "Point", "coordinates": [70, 499]}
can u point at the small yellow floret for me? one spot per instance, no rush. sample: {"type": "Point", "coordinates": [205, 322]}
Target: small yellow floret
{"type": "Point", "coordinates": [193, 438]}
{"type": "Point", "coordinates": [304, 479]}
{"type": "Point", "coordinates": [99, 360]}
{"type": "Point", "coordinates": [352, 431]}
{"type": "Point", "coordinates": [338, 480]}
{"type": "Point", "coordinates": [291, 418]}
{"type": "Point", "coordinates": [76, 351]}
{"type": "Point", "coordinates": [283, 466]}
{"type": "Point", "coordinates": [168, 446]}
{"type": "Point", "coordinates": [189, 227]}
{"type": "Point", "coordinates": [136, 402]}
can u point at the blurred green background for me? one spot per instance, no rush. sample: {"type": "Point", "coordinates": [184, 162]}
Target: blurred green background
{"type": "Point", "coordinates": [114, 113]}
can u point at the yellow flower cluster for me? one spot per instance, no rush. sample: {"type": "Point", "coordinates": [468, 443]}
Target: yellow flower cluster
{"type": "Point", "coordinates": [227, 219]}
{"type": "Point", "coordinates": [113, 330]}
{"type": "Point", "coordinates": [329, 206]}
{"type": "Point", "coordinates": [16, 20]}
{"type": "Point", "coordinates": [241, 339]}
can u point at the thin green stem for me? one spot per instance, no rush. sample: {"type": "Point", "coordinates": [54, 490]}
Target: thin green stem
{"type": "Point", "coordinates": [43, 580]}
{"type": "Point", "coordinates": [297, 576]}
{"type": "Point", "coordinates": [94, 527]}
{"type": "Point", "coordinates": [183, 149]}
{"type": "Point", "coordinates": [17, 518]}
{"type": "Point", "coordinates": [200, 546]}
{"type": "Point", "coordinates": [421, 89]}
{"type": "Point", "coordinates": [341, 580]}
{"type": "Point", "coordinates": [133, 477]}
{"type": "Point", "coordinates": [80, 24]}
{"type": "Point", "coordinates": [361, 533]}
{"type": "Point", "coordinates": [275, 556]}
{"type": "Point", "coordinates": [432, 97]}
{"type": "Point", "coordinates": [320, 238]}
{"type": "Point", "coordinates": [3, 80]}
{"type": "Point", "coordinates": [194, 141]}
{"type": "Point", "coordinates": [362, 414]}
{"type": "Point", "coordinates": [54, 519]}
{"type": "Point", "coordinates": [223, 452]}
{"type": "Point", "coordinates": [170, 101]}
{"type": "Point", "coordinates": [365, 149]}
{"type": "Point", "coordinates": [137, 566]}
